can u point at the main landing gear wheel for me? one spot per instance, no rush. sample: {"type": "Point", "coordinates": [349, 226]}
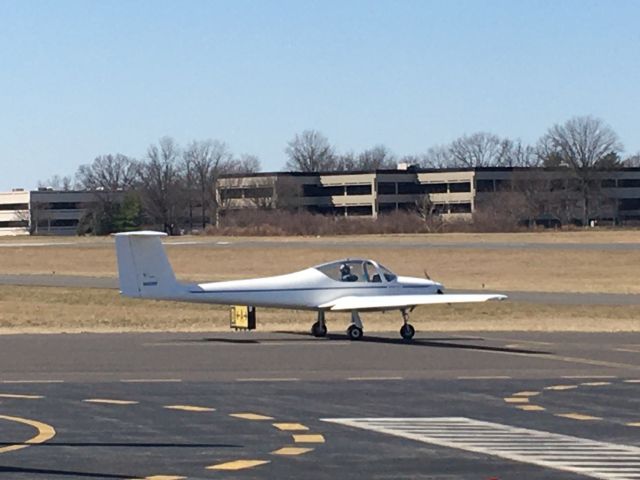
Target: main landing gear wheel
{"type": "Point", "coordinates": [354, 332]}
{"type": "Point", "coordinates": [407, 331]}
{"type": "Point", "coordinates": [318, 330]}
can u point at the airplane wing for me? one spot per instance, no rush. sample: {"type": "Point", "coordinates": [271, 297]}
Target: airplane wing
{"type": "Point", "coordinates": [391, 302]}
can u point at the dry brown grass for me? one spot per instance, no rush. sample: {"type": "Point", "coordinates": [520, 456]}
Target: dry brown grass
{"type": "Point", "coordinates": [563, 270]}
{"type": "Point", "coordinates": [55, 310]}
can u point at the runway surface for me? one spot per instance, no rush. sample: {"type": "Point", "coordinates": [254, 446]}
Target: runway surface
{"type": "Point", "coordinates": [333, 242]}
{"type": "Point", "coordinates": [284, 405]}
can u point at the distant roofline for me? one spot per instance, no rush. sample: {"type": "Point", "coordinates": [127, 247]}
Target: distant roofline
{"type": "Point", "coordinates": [413, 170]}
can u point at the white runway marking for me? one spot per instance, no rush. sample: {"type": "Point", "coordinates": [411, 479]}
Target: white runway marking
{"type": "Point", "coordinates": [607, 461]}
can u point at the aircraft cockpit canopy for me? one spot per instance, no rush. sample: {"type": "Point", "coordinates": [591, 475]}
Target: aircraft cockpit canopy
{"type": "Point", "coordinates": [357, 270]}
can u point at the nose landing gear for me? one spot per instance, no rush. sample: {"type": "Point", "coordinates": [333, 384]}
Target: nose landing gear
{"type": "Point", "coordinates": [406, 331]}
{"type": "Point", "coordinates": [319, 329]}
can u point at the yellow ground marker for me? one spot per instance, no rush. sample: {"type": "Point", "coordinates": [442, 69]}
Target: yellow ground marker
{"type": "Point", "coordinates": [290, 427]}
{"type": "Point", "coordinates": [45, 432]}
{"type": "Point", "coordinates": [292, 451]}
{"type": "Point", "coordinates": [190, 408]}
{"type": "Point", "coordinates": [561, 387]}
{"type": "Point", "coordinates": [577, 416]}
{"type": "Point", "coordinates": [526, 394]}
{"type": "Point", "coordinates": [308, 438]}
{"type": "Point", "coordinates": [516, 399]}
{"type": "Point", "coordinates": [14, 395]}
{"type": "Point", "coordinates": [595, 384]}
{"type": "Point", "coordinates": [237, 465]}
{"type": "Point", "coordinates": [164, 477]}
{"type": "Point", "coordinates": [530, 408]}
{"type": "Point", "coordinates": [110, 402]}
{"type": "Point", "coordinates": [250, 416]}
{"type": "Point", "coordinates": [633, 424]}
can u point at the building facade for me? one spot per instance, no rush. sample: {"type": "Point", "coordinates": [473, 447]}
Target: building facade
{"type": "Point", "coordinates": [43, 211]}
{"type": "Point", "coordinates": [450, 193]}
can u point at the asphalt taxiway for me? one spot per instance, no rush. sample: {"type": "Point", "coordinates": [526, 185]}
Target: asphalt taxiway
{"type": "Point", "coordinates": [283, 405]}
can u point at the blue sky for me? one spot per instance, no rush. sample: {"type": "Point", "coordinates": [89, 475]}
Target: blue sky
{"type": "Point", "coordinates": [84, 78]}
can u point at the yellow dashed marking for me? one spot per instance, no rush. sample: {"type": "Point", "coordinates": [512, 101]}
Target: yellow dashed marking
{"type": "Point", "coordinates": [516, 400]}
{"type": "Point", "coordinates": [190, 408]}
{"type": "Point", "coordinates": [526, 394]}
{"type": "Point", "coordinates": [530, 408]}
{"type": "Point", "coordinates": [292, 451]}
{"type": "Point", "coordinates": [633, 424]}
{"type": "Point", "coordinates": [577, 416]}
{"type": "Point", "coordinates": [595, 384]}
{"type": "Point", "coordinates": [290, 427]}
{"type": "Point", "coordinates": [237, 465]}
{"type": "Point", "coordinates": [12, 395]}
{"type": "Point", "coordinates": [308, 438]}
{"type": "Point", "coordinates": [109, 401]}
{"type": "Point", "coordinates": [45, 432]}
{"type": "Point", "coordinates": [163, 477]}
{"type": "Point", "coordinates": [250, 416]}
{"type": "Point", "coordinates": [561, 387]}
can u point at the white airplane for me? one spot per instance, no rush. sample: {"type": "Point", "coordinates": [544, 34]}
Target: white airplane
{"type": "Point", "coordinates": [351, 285]}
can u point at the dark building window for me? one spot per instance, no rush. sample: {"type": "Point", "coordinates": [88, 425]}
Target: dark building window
{"type": "Point", "coordinates": [64, 223]}
{"type": "Point", "coordinates": [231, 193]}
{"type": "Point", "coordinates": [258, 192]}
{"type": "Point", "coordinates": [386, 207]}
{"type": "Point", "coordinates": [608, 183]}
{"type": "Point", "coordinates": [386, 188]}
{"type": "Point", "coordinates": [360, 210]}
{"type": "Point", "coordinates": [460, 187]}
{"type": "Point", "coordinates": [320, 191]}
{"type": "Point", "coordinates": [484, 185]}
{"type": "Point", "coordinates": [434, 188]}
{"type": "Point", "coordinates": [14, 224]}
{"type": "Point", "coordinates": [460, 208]}
{"type": "Point", "coordinates": [358, 189]}
{"type": "Point", "coordinates": [406, 188]}
{"type": "Point", "coordinates": [629, 183]}
{"type": "Point", "coordinates": [64, 205]}
{"type": "Point", "coordinates": [14, 206]}
{"type": "Point", "coordinates": [502, 185]}
{"type": "Point", "coordinates": [629, 204]}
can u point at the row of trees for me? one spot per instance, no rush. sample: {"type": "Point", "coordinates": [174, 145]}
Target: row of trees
{"type": "Point", "coordinates": [580, 143]}
{"type": "Point", "coordinates": [171, 180]}
{"type": "Point", "coordinates": [167, 182]}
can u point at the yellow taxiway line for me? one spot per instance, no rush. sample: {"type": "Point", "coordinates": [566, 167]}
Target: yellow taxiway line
{"type": "Point", "coordinates": [45, 432]}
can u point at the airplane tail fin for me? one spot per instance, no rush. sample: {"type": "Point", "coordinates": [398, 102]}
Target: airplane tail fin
{"type": "Point", "coordinates": [143, 267]}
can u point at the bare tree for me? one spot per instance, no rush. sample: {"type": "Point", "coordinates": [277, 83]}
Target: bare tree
{"type": "Point", "coordinates": [584, 145]}
{"type": "Point", "coordinates": [244, 164]}
{"type": "Point", "coordinates": [375, 158]}
{"type": "Point", "coordinates": [203, 163]}
{"type": "Point", "coordinates": [479, 150]}
{"type": "Point", "coordinates": [161, 183]}
{"type": "Point", "coordinates": [519, 155]}
{"type": "Point", "coordinates": [57, 182]}
{"type": "Point", "coordinates": [108, 173]}
{"type": "Point", "coordinates": [438, 156]}
{"type": "Point", "coordinates": [632, 161]}
{"type": "Point", "coordinates": [310, 151]}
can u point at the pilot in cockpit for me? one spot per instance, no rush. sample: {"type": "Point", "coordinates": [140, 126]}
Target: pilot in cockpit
{"type": "Point", "coordinates": [346, 275]}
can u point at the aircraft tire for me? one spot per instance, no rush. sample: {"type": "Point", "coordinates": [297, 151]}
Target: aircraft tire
{"type": "Point", "coordinates": [318, 331]}
{"type": "Point", "coordinates": [407, 331]}
{"type": "Point", "coordinates": [354, 332]}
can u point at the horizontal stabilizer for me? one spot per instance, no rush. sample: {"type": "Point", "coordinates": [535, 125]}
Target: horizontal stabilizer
{"type": "Point", "coordinates": [388, 302]}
